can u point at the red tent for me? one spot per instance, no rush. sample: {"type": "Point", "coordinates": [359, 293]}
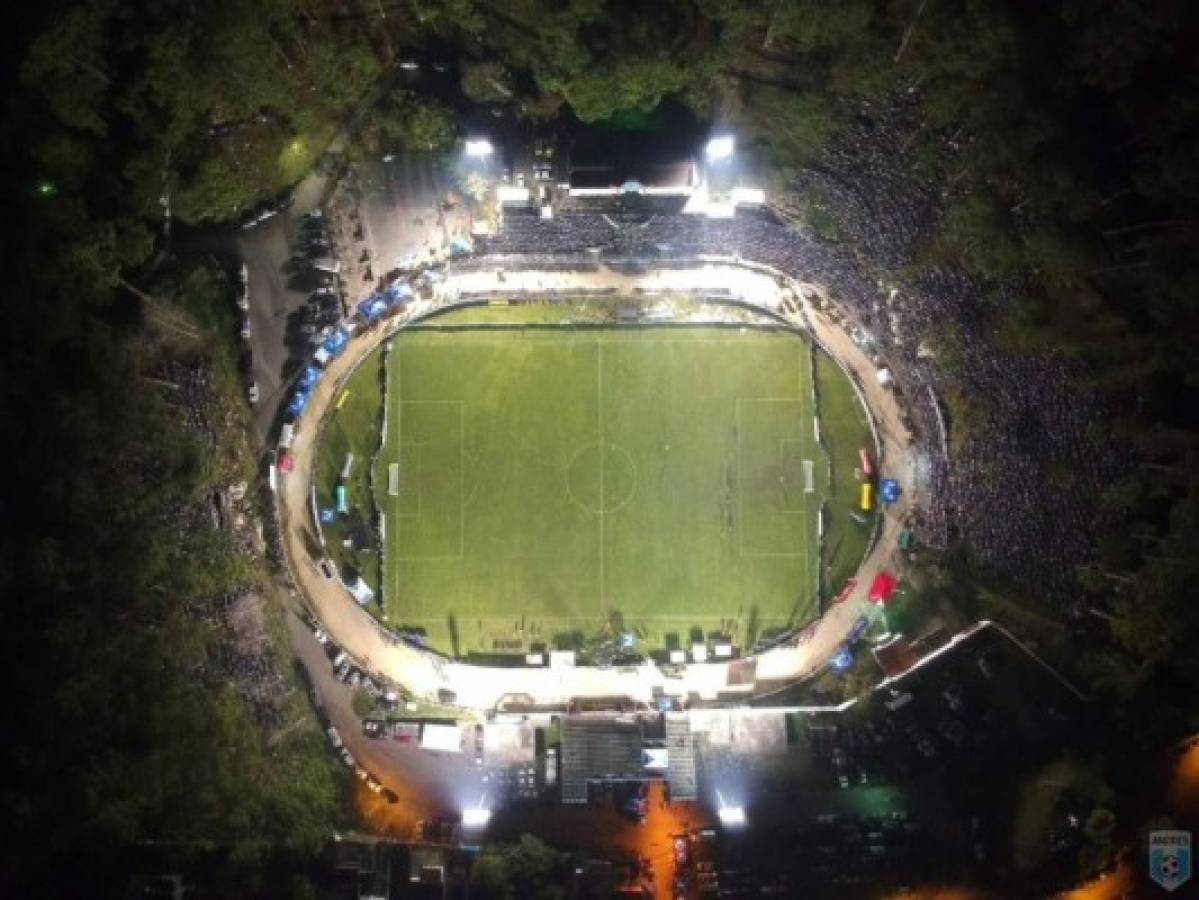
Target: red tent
{"type": "Point", "coordinates": [883, 587]}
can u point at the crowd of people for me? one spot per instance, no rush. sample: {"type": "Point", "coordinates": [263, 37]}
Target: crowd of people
{"type": "Point", "coordinates": [247, 662]}
{"type": "Point", "coordinates": [1019, 484]}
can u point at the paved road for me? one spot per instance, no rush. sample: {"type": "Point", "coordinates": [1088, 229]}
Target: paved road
{"type": "Point", "coordinates": [430, 785]}
{"type": "Point", "coordinates": [423, 781]}
{"type": "Point", "coordinates": [401, 208]}
{"type": "Point", "coordinates": [276, 290]}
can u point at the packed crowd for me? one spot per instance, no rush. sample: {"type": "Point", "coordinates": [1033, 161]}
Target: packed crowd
{"type": "Point", "coordinates": [246, 662]}
{"type": "Point", "coordinates": [1019, 487]}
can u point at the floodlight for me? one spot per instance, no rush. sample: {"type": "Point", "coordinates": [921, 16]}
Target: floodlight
{"type": "Point", "coordinates": [479, 148]}
{"type": "Point", "coordinates": [475, 817]}
{"type": "Point", "coordinates": [720, 147]}
{"type": "Point", "coordinates": [731, 816]}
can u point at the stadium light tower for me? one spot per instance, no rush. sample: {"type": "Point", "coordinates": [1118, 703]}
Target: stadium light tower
{"type": "Point", "coordinates": [720, 147]}
{"type": "Point", "coordinates": [479, 148]}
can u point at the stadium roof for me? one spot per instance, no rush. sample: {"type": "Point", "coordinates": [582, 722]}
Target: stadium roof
{"type": "Point", "coordinates": [598, 748]}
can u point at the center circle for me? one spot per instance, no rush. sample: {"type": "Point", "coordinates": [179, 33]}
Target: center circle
{"type": "Point", "coordinates": [601, 477]}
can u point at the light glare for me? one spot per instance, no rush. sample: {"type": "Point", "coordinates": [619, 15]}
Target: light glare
{"type": "Point", "coordinates": [475, 817]}
{"type": "Point", "coordinates": [720, 147]}
{"type": "Point", "coordinates": [731, 816]}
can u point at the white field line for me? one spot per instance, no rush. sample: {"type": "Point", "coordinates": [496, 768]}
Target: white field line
{"type": "Point", "coordinates": [599, 387]}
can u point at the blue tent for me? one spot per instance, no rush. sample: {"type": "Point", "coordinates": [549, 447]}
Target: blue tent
{"type": "Point", "coordinates": [310, 376]}
{"type": "Point", "coordinates": [298, 401]}
{"type": "Point", "coordinates": [397, 294]}
{"type": "Point", "coordinates": [327, 515]}
{"type": "Point", "coordinates": [372, 307]}
{"type": "Point", "coordinates": [859, 628]}
{"type": "Point", "coordinates": [843, 660]}
{"type": "Point", "coordinates": [336, 342]}
{"type": "Point", "coordinates": [888, 490]}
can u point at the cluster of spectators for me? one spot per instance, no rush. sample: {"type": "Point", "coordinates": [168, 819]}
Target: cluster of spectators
{"type": "Point", "coordinates": [254, 674]}
{"type": "Point", "coordinates": [247, 662]}
{"type": "Point", "coordinates": [1019, 484]}
{"type": "Point", "coordinates": [189, 387]}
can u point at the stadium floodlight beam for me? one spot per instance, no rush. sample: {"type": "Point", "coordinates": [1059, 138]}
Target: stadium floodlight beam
{"type": "Point", "coordinates": [730, 816]}
{"type": "Point", "coordinates": [479, 148]}
{"type": "Point", "coordinates": [476, 816]}
{"type": "Point", "coordinates": [720, 147]}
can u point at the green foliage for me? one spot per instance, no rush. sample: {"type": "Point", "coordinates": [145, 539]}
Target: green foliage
{"type": "Point", "coordinates": [794, 125]}
{"type": "Point", "coordinates": [486, 81]}
{"type": "Point", "coordinates": [526, 870]}
{"type": "Point", "coordinates": [406, 123]}
{"type": "Point", "coordinates": [978, 230]}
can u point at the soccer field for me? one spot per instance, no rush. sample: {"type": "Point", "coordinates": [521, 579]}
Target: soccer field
{"type": "Point", "coordinates": [539, 485]}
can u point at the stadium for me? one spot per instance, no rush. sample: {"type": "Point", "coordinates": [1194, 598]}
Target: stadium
{"type": "Point", "coordinates": [595, 483]}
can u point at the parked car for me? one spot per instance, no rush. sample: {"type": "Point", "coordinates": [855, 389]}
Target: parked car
{"type": "Point", "coordinates": [243, 298]}
{"type": "Point", "coordinates": [245, 328]}
{"type": "Point", "coordinates": [252, 392]}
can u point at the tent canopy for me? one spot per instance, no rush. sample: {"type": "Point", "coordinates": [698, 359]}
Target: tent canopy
{"type": "Point", "coordinates": [883, 587]}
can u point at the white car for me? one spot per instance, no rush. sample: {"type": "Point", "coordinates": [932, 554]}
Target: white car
{"type": "Point", "coordinates": [245, 329]}
{"type": "Point", "coordinates": [243, 298]}
{"type": "Point", "coordinates": [245, 274]}
{"type": "Point", "coordinates": [252, 392]}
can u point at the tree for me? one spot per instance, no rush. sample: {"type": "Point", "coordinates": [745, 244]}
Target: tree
{"type": "Point", "coordinates": [526, 870]}
{"type": "Point", "coordinates": [486, 81]}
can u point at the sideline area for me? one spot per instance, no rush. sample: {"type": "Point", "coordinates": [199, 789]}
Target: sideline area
{"type": "Point", "coordinates": [433, 679]}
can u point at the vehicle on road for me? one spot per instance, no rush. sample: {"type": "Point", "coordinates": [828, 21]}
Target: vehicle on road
{"type": "Point", "coordinates": [252, 392]}
{"type": "Point", "coordinates": [245, 329]}
{"type": "Point", "coordinates": [243, 298]}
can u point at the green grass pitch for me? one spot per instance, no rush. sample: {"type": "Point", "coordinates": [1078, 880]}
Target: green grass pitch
{"type": "Point", "coordinates": [494, 540]}
{"type": "Point", "coordinates": [551, 480]}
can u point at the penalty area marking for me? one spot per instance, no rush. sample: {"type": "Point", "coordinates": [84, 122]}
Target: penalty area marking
{"type": "Point", "coordinates": [461, 405]}
{"type": "Point", "coordinates": [749, 554]}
